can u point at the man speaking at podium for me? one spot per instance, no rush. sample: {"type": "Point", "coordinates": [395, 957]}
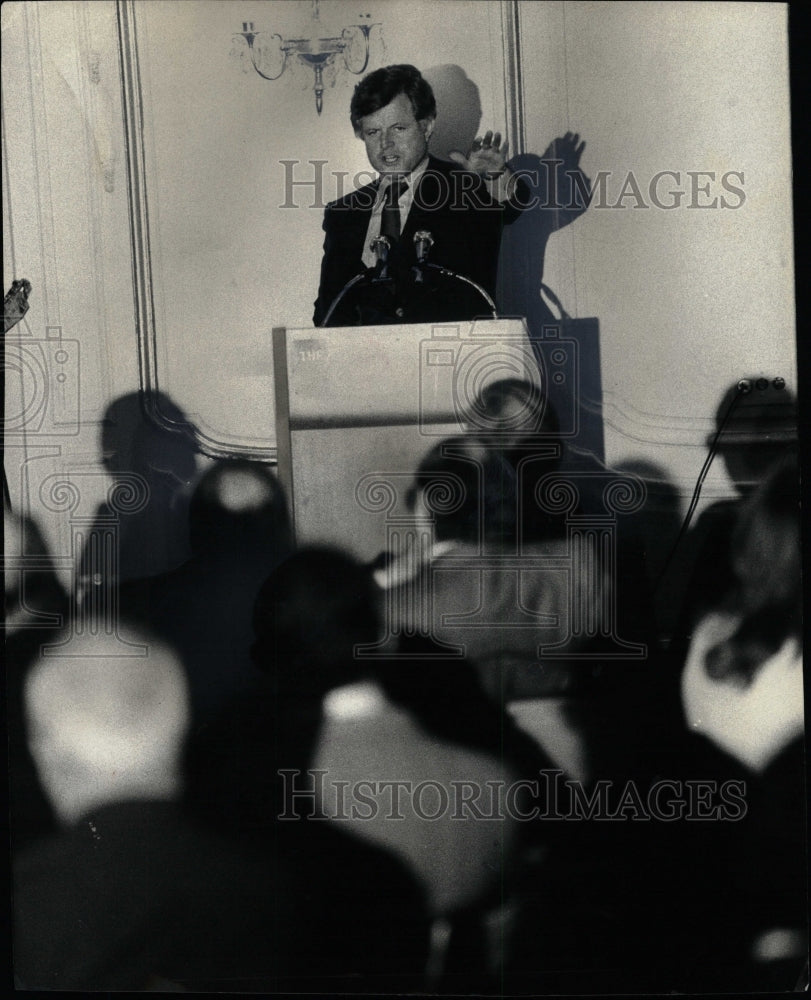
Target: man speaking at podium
{"type": "Point", "coordinates": [425, 235]}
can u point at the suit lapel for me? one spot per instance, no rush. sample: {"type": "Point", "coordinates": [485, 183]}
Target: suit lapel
{"type": "Point", "coordinates": [431, 199]}
{"type": "Point", "coordinates": [352, 217]}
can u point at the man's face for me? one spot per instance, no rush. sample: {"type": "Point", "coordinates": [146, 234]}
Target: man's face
{"type": "Point", "coordinates": [395, 141]}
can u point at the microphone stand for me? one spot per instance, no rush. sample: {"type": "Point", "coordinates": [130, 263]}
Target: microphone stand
{"type": "Point", "coordinates": [337, 300]}
{"type": "Point", "coordinates": [423, 241]}
{"type": "Point", "coordinates": [376, 275]}
{"type": "Point", "coordinates": [446, 272]}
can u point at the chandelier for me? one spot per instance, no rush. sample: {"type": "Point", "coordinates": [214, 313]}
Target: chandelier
{"type": "Point", "coordinates": [270, 54]}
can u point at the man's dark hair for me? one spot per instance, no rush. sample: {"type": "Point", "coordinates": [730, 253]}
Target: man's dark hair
{"type": "Point", "coordinates": [768, 567]}
{"type": "Point", "coordinates": [308, 617]}
{"type": "Point", "coordinates": [238, 507]}
{"type": "Point", "coordinates": [470, 490]}
{"type": "Point", "coordinates": [380, 88]}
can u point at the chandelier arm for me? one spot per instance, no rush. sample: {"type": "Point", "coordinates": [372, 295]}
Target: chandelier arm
{"type": "Point", "coordinates": [366, 29]}
{"type": "Point", "coordinates": [316, 58]}
{"type": "Point", "coordinates": [284, 61]}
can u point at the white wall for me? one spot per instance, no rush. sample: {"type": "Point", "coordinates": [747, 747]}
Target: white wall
{"type": "Point", "coordinates": [66, 229]}
{"type": "Point", "coordinates": [230, 262]}
{"type": "Point", "coordinates": [227, 262]}
{"type": "Point", "coordinates": [689, 299]}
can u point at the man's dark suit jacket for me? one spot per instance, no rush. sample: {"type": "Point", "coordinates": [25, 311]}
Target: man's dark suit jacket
{"type": "Point", "coordinates": [453, 205]}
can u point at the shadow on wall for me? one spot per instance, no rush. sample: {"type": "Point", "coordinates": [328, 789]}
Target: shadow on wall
{"type": "Point", "coordinates": [459, 110]}
{"type": "Point", "coordinates": [36, 607]}
{"type": "Point", "coordinates": [559, 194]}
{"type": "Point", "coordinates": [555, 187]}
{"type": "Point", "coordinates": [153, 468]}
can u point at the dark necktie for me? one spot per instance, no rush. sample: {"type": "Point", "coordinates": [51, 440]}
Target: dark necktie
{"type": "Point", "coordinates": [390, 218]}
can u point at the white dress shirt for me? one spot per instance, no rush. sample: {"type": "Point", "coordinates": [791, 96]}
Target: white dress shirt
{"type": "Point", "coordinates": [752, 723]}
{"type": "Point", "coordinates": [405, 201]}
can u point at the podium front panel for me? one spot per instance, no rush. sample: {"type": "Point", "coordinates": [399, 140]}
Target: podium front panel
{"type": "Point", "coordinates": [359, 406]}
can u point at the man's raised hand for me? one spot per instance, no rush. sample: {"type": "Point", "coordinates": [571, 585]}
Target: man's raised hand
{"type": "Point", "coordinates": [487, 156]}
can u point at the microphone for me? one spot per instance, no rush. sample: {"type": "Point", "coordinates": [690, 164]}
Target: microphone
{"type": "Point", "coordinates": [423, 241]}
{"type": "Point", "coordinates": [380, 247]}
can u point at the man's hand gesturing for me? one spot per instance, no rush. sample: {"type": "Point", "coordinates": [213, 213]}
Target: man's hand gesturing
{"type": "Point", "coordinates": [487, 156]}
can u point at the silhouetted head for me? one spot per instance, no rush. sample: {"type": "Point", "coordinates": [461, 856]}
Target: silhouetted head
{"type": "Point", "coordinates": [468, 489]}
{"type": "Point", "coordinates": [309, 616]}
{"type": "Point", "coordinates": [461, 104]}
{"type": "Point", "coordinates": [147, 433]}
{"type": "Point", "coordinates": [759, 428]}
{"type": "Point", "coordinates": [239, 507]}
{"type": "Point", "coordinates": [515, 415]}
{"type": "Point", "coordinates": [766, 560]}
{"type": "Point", "coordinates": [766, 549]}
{"type": "Point", "coordinates": [105, 727]}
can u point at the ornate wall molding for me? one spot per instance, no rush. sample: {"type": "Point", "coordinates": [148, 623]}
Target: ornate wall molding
{"type": "Point", "coordinates": [504, 20]}
{"type": "Point", "coordinates": [513, 75]}
{"type": "Point", "coordinates": [142, 271]}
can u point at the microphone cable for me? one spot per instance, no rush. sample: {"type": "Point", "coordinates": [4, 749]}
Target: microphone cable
{"type": "Point", "coordinates": [743, 388]}
{"type": "Point", "coordinates": [337, 300]}
{"type": "Point", "coordinates": [447, 273]}
{"type": "Point", "coordinates": [381, 247]}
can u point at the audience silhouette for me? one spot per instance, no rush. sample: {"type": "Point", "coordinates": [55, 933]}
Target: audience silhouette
{"type": "Point", "coordinates": [208, 815]}
{"type": "Point", "coordinates": [238, 530]}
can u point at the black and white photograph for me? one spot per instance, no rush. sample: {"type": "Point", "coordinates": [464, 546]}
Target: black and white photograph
{"type": "Point", "coordinates": [402, 498]}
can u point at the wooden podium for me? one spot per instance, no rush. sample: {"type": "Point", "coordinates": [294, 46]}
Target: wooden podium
{"type": "Point", "coordinates": [358, 407]}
